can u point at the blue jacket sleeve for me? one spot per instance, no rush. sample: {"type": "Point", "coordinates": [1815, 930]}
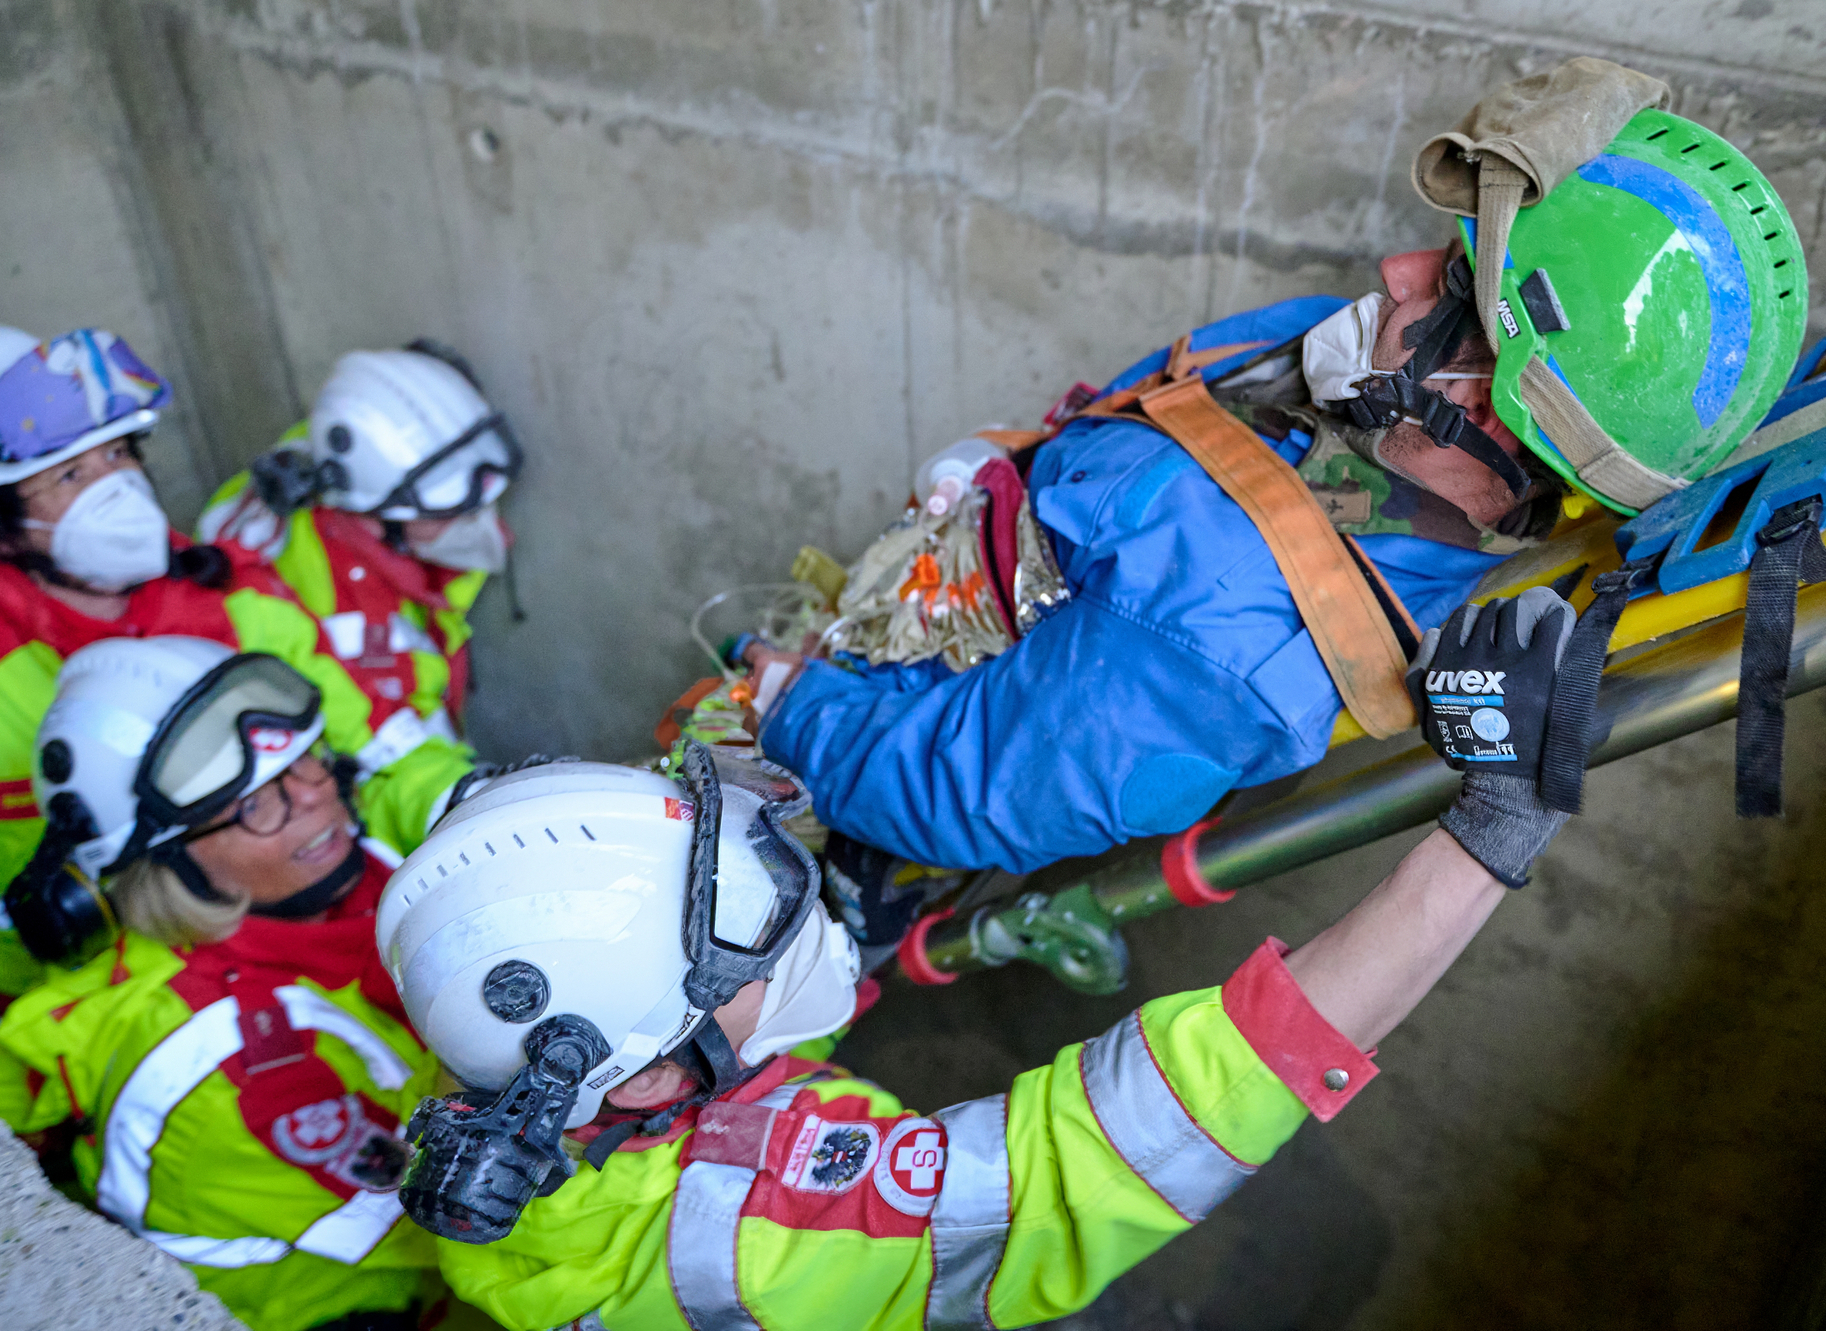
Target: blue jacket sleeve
{"type": "Point", "coordinates": [1094, 729]}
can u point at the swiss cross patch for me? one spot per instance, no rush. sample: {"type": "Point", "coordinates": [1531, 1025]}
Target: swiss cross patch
{"type": "Point", "coordinates": [312, 1134]}
{"type": "Point", "coordinates": [830, 1157]}
{"type": "Point", "coordinates": [911, 1168]}
{"type": "Point", "coordinates": [338, 1138]}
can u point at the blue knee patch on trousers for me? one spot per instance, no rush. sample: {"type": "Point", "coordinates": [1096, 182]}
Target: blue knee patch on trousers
{"type": "Point", "coordinates": [1171, 792]}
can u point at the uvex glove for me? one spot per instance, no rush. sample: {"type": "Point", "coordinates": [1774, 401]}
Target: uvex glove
{"type": "Point", "coordinates": [1483, 684]}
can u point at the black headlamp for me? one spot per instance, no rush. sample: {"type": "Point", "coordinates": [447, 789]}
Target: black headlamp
{"type": "Point", "coordinates": [475, 1165]}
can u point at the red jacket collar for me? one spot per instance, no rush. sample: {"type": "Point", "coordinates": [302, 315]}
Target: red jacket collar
{"type": "Point", "coordinates": [414, 579]}
{"type": "Point", "coordinates": [334, 952]}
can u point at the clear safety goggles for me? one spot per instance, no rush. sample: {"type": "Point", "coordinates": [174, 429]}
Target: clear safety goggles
{"type": "Point", "coordinates": [243, 723]}
{"type": "Point", "coordinates": [471, 470]}
{"type": "Point", "coordinates": [742, 916]}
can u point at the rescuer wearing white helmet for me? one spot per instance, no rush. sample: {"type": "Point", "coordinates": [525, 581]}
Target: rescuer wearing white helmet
{"type": "Point", "coordinates": [379, 511]}
{"type": "Point", "coordinates": [219, 1018]}
{"type": "Point", "coordinates": [86, 553]}
{"type": "Point", "coordinates": [613, 963]}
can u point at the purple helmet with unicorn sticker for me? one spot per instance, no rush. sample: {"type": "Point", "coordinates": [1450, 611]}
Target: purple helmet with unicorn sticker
{"type": "Point", "coordinates": [65, 396]}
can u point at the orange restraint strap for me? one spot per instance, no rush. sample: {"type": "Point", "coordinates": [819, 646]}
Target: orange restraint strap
{"type": "Point", "coordinates": [1341, 609]}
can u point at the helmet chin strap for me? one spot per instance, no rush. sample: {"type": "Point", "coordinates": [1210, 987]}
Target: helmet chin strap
{"type": "Point", "coordinates": [305, 902]}
{"type": "Point", "coordinates": [710, 1060]}
{"type": "Point", "coordinates": [1388, 399]}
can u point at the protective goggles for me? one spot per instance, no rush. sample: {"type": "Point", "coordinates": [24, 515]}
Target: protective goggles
{"type": "Point", "coordinates": [236, 728]}
{"type": "Point", "coordinates": [469, 471]}
{"type": "Point", "coordinates": [744, 909]}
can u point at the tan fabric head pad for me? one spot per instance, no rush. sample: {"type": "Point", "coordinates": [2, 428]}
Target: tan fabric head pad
{"type": "Point", "coordinates": [1546, 126]}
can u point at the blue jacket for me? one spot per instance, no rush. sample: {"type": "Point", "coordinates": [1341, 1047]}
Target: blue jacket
{"type": "Point", "coordinates": [1178, 670]}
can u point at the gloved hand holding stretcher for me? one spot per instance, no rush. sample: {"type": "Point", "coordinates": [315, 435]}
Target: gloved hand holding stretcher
{"type": "Point", "coordinates": [1484, 686]}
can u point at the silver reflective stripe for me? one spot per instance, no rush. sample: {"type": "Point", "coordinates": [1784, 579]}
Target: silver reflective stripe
{"type": "Point", "coordinates": [175, 1068]}
{"type": "Point", "coordinates": [398, 735]}
{"type": "Point", "coordinates": [970, 1218]}
{"type": "Point", "coordinates": [1149, 1128]}
{"type": "Point", "coordinates": [701, 1242]}
{"type": "Point", "coordinates": [350, 1232]}
{"type": "Point", "coordinates": [308, 1010]}
{"type": "Point", "coordinates": [217, 1252]}
{"type": "Point", "coordinates": [702, 1235]}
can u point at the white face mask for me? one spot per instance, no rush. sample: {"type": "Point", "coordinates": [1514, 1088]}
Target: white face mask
{"type": "Point", "coordinates": [474, 541]}
{"type": "Point", "coordinates": [114, 536]}
{"type": "Point", "coordinates": [1336, 353]}
{"type": "Point", "coordinates": [813, 990]}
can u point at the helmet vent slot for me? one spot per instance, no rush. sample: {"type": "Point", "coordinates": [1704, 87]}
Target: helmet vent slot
{"type": "Point", "coordinates": [1657, 134]}
{"type": "Point", "coordinates": [1689, 148]}
{"type": "Point", "coordinates": [1736, 188]}
{"type": "Point", "coordinates": [487, 847]}
{"type": "Point", "coordinates": [521, 844]}
{"type": "Point", "coordinates": [442, 872]}
{"type": "Point", "coordinates": [463, 857]}
{"type": "Point", "coordinates": [551, 836]}
{"type": "Point", "coordinates": [586, 831]}
{"type": "Point", "coordinates": [1759, 208]}
{"type": "Point", "coordinates": [1715, 166]}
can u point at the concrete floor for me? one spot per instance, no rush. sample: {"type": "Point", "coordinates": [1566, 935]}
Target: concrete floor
{"type": "Point", "coordinates": [1611, 1113]}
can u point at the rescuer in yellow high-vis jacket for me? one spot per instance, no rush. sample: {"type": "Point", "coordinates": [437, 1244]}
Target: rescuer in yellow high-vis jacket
{"type": "Point", "coordinates": [714, 1181]}
{"type": "Point", "coordinates": [234, 1064]}
{"type": "Point", "coordinates": [379, 513]}
{"type": "Point", "coordinates": [86, 554]}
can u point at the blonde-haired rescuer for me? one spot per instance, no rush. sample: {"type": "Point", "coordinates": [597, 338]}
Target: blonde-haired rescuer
{"type": "Point", "coordinates": [234, 1061]}
{"type": "Point", "coordinates": [614, 963]}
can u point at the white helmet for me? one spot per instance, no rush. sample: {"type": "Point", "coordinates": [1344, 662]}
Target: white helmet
{"type": "Point", "coordinates": [61, 398]}
{"type": "Point", "coordinates": [403, 434]}
{"type": "Point", "coordinates": [599, 892]}
{"type": "Point", "coordinates": [149, 737]}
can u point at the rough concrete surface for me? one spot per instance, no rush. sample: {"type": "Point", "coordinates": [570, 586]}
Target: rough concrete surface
{"type": "Point", "coordinates": [63, 1268]}
{"type": "Point", "coordinates": [734, 267]}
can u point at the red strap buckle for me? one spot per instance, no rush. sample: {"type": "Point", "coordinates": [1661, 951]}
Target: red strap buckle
{"type": "Point", "coordinates": [1179, 867]}
{"type": "Point", "coordinates": [912, 952]}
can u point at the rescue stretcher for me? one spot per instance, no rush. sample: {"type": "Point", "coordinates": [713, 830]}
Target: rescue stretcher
{"type": "Point", "coordinates": [1673, 669]}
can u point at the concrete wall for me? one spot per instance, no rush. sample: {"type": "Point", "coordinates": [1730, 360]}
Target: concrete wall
{"type": "Point", "coordinates": [735, 266]}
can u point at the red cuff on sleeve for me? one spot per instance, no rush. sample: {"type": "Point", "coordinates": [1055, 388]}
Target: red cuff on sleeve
{"type": "Point", "coordinates": [1299, 1046]}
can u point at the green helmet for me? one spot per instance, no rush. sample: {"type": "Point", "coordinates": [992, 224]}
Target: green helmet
{"type": "Point", "coordinates": [1664, 284]}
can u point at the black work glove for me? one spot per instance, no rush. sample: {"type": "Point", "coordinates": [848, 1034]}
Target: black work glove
{"type": "Point", "coordinates": [1483, 684]}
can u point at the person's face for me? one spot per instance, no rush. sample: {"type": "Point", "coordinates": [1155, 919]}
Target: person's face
{"type": "Point", "coordinates": [665, 1081]}
{"type": "Point", "coordinates": [48, 495]}
{"type": "Point", "coordinates": [1415, 282]}
{"type": "Point", "coordinates": [317, 836]}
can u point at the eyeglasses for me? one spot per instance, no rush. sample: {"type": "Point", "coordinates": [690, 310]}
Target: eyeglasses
{"type": "Point", "coordinates": [265, 810]}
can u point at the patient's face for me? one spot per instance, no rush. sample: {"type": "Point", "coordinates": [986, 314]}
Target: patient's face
{"type": "Point", "coordinates": [1415, 282]}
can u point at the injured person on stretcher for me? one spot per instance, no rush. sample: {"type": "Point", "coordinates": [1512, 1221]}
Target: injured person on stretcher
{"type": "Point", "coordinates": [1196, 575]}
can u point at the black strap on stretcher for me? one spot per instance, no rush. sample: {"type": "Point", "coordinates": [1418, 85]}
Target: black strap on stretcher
{"type": "Point", "coordinates": [1788, 553]}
